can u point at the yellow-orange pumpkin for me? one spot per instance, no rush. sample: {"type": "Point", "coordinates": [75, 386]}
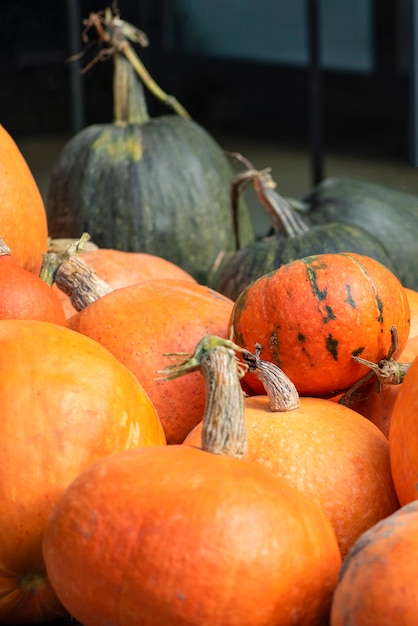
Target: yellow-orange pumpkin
{"type": "Point", "coordinates": [65, 403]}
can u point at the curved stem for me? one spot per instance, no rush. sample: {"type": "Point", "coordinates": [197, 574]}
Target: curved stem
{"type": "Point", "coordinates": [282, 393]}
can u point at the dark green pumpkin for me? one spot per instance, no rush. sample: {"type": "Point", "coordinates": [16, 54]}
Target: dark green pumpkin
{"type": "Point", "coordinates": [388, 214]}
{"type": "Point", "coordinates": [294, 238]}
{"type": "Point", "coordinates": [159, 185]}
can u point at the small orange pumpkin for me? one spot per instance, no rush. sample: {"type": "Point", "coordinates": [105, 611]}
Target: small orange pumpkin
{"type": "Point", "coordinates": [314, 314]}
{"type": "Point", "coordinates": [23, 222]}
{"type": "Point", "coordinates": [24, 295]}
{"type": "Point", "coordinates": [65, 403]}
{"type": "Point", "coordinates": [379, 577]}
{"type": "Point", "coordinates": [412, 296]}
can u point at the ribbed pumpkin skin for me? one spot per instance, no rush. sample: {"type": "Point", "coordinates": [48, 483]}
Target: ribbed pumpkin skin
{"type": "Point", "coordinates": [65, 403]}
{"type": "Point", "coordinates": [161, 187]}
{"type": "Point", "coordinates": [259, 258]}
{"type": "Point", "coordinates": [176, 536]}
{"type": "Point", "coordinates": [403, 438]}
{"type": "Point", "coordinates": [412, 296]}
{"type": "Point", "coordinates": [388, 214]}
{"type": "Point", "coordinates": [23, 222]}
{"type": "Point", "coordinates": [379, 578]}
{"type": "Point", "coordinates": [312, 315]}
{"type": "Point", "coordinates": [330, 454]}
{"type": "Point", "coordinates": [141, 323]}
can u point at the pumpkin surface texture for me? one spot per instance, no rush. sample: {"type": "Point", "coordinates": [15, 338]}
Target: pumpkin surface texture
{"type": "Point", "coordinates": [23, 221]}
{"type": "Point", "coordinates": [379, 578]}
{"type": "Point", "coordinates": [311, 316]}
{"type": "Point", "coordinates": [158, 185]}
{"type": "Point", "coordinates": [65, 403]}
{"type": "Point", "coordinates": [142, 323]}
{"type": "Point", "coordinates": [403, 437]}
{"type": "Point", "coordinates": [177, 536]}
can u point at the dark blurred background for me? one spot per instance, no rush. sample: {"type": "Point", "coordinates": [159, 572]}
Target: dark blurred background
{"type": "Point", "coordinates": [323, 77]}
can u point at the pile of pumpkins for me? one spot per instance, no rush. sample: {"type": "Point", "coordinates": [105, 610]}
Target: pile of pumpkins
{"type": "Point", "coordinates": [179, 451]}
{"type": "Point", "coordinates": [150, 475]}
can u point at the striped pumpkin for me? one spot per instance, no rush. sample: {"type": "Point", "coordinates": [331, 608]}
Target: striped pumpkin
{"type": "Point", "coordinates": [311, 316]}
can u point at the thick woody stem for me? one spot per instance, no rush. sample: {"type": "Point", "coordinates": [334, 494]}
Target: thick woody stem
{"type": "Point", "coordinates": [80, 282]}
{"type": "Point", "coordinates": [223, 430]}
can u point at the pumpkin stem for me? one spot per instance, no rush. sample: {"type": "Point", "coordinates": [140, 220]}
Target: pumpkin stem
{"type": "Point", "coordinates": [4, 248]}
{"type": "Point", "coordinates": [386, 372]}
{"type": "Point", "coordinates": [52, 260]}
{"type": "Point", "coordinates": [73, 275]}
{"type": "Point", "coordinates": [117, 34]}
{"type": "Point", "coordinates": [284, 219]}
{"type": "Point", "coordinates": [282, 393]}
{"type": "Point", "coordinates": [223, 430]}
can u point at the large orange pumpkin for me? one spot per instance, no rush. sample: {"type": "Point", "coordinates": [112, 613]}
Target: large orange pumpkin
{"type": "Point", "coordinates": [313, 315]}
{"type": "Point", "coordinates": [176, 536]}
{"type": "Point", "coordinates": [327, 451]}
{"type": "Point", "coordinates": [143, 322]}
{"type": "Point", "coordinates": [379, 578]}
{"type": "Point", "coordinates": [65, 403]}
{"type": "Point", "coordinates": [23, 223]}
{"type": "Point", "coordinates": [403, 437]}
{"type": "Point", "coordinates": [119, 269]}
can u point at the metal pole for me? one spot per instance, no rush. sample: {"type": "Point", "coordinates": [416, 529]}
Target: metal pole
{"type": "Point", "coordinates": [315, 92]}
{"type": "Point", "coordinates": [76, 82]}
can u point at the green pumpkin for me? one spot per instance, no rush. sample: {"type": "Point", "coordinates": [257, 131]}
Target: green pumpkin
{"type": "Point", "coordinates": [157, 185]}
{"type": "Point", "coordinates": [294, 238]}
{"type": "Point", "coordinates": [388, 214]}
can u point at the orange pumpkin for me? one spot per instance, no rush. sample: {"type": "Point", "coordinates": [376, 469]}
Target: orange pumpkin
{"type": "Point", "coordinates": [312, 315]}
{"type": "Point", "coordinates": [24, 295]}
{"type": "Point", "coordinates": [379, 578]}
{"type": "Point", "coordinates": [143, 322]}
{"type": "Point", "coordinates": [403, 437]}
{"type": "Point", "coordinates": [65, 403]}
{"type": "Point", "coordinates": [23, 223]}
{"type": "Point", "coordinates": [328, 452]}
{"type": "Point", "coordinates": [175, 535]}
{"type": "Point", "coordinates": [119, 269]}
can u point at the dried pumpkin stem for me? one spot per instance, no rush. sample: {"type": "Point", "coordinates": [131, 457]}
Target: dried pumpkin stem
{"type": "Point", "coordinates": [223, 429]}
{"type": "Point", "coordinates": [386, 372]}
{"type": "Point", "coordinates": [52, 260]}
{"type": "Point", "coordinates": [116, 34]}
{"type": "Point", "coordinates": [80, 282]}
{"type": "Point", "coordinates": [4, 248]}
{"type": "Point", "coordinates": [282, 393]}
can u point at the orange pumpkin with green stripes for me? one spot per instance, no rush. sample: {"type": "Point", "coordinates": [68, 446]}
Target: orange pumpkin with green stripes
{"type": "Point", "coordinates": [311, 316]}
